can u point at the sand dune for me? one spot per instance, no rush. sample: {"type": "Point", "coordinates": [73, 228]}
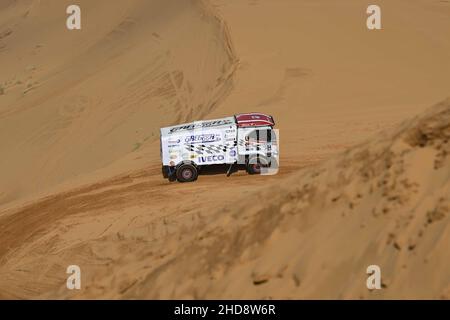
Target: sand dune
{"type": "Point", "coordinates": [311, 234]}
{"type": "Point", "coordinates": [75, 102]}
{"type": "Point", "coordinates": [384, 202]}
{"type": "Point", "coordinates": [80, 179]}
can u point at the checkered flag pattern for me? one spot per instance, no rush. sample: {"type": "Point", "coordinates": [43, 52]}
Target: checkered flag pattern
{"type": "Point", "coordinates": [209, 149]}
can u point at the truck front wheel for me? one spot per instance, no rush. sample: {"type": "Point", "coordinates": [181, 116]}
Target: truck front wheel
{"type": "Point", "coordinates": [187, 173]}
{"type": "Point", "coordinates": [255, 164]}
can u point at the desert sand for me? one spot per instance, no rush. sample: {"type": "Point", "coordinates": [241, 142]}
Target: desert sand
{"type": "Point", "coordinates": [364, 176]}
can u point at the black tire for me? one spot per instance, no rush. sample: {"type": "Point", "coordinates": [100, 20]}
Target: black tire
{"type": "Point", "coordinates": [255, 164]}
{"type": "Point", "coordinates": [165, 172]}
{"type": "Point", "coordinates": [187, 173]}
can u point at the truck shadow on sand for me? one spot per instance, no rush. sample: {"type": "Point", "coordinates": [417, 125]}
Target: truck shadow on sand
{"type": "Point", "coordinates": [220, 169]}
{"type": "Point", "coordinates": [216, 169]}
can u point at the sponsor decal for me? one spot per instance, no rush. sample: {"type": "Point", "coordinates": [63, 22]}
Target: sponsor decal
{"type": "Point", "coordinates": [202, 138]}
{"type": "Point", "coordinates": [174, 141]}
{"type": "Point", "coordinates": [206, 124]}
{"type": "Point", "coordinates": [173, 156]}
{"type": "Point", "coordinates": [233, 153]}
{"type": "Point", "coordinates": [211, 159]}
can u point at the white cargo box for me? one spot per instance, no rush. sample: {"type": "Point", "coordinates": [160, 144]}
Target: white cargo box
{"type": "Point", "coordinates": [202, 142]}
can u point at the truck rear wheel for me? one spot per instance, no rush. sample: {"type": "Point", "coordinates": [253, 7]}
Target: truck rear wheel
{"type": "Point", "coordinates": [165, 172]}
{"type": "Point", "coordinates": [187, 173]}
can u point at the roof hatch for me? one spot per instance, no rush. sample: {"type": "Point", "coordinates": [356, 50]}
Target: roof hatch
{"type": "Point", "coordinates": [254, 120]}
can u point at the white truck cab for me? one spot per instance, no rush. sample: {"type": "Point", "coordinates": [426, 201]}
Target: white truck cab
{"type": "Point", "coordinates": [244, 139]}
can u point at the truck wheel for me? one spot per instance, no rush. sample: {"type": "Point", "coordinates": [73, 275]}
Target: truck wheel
{"type": "Point", "coordinates": [187, 173]}
{"type": "Point", "coordinates": [165, 172]}
{"type": "Point", "coordinates": [255, 164]}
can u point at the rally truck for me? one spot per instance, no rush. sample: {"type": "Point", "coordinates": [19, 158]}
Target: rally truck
{"type": "Point", "coordinates": [247, 140]}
